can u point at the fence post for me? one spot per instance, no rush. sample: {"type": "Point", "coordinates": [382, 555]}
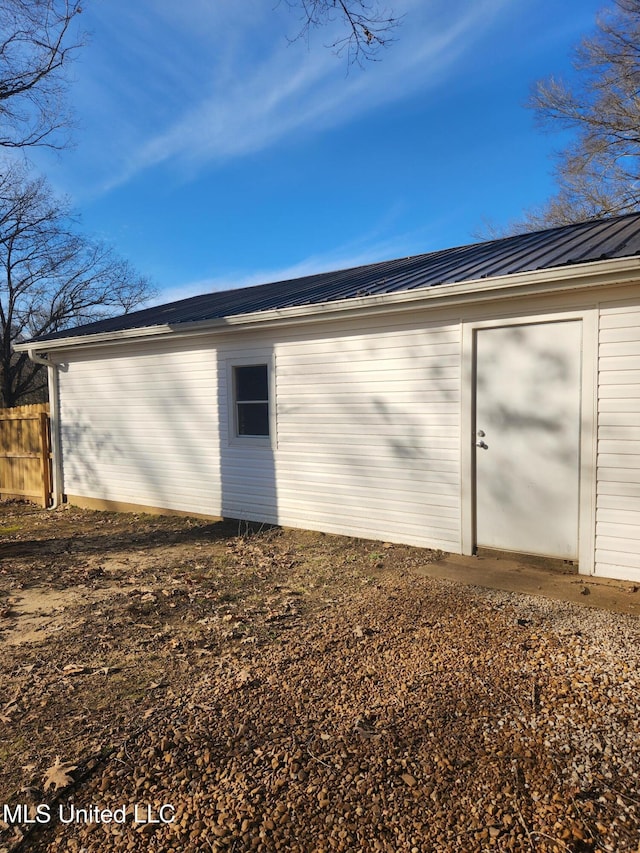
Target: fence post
{"type": "Point", "coordinates": [45, 446]}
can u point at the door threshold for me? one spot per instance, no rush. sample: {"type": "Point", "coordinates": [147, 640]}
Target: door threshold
{"type": "Point", "coordinates": [554, 564]}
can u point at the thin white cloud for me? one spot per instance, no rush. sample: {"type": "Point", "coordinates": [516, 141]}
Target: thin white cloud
{"type": "Point", "coordinates": [220, 82]}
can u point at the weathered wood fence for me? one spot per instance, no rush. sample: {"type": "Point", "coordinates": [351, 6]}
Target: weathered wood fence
{"type": "Point", "coordinates": [25, 453]}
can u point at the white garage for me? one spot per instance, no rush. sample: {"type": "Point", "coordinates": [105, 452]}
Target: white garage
{"type": "Point", "coordinates": [486, 396]}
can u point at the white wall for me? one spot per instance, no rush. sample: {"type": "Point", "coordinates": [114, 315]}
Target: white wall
{"type": "Point", "coordinates": [141, 427]}
{"type": "Point", "coordinates": [368, 439]}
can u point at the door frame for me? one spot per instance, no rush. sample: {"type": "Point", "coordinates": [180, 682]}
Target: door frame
{"type": "Point", "coordinates": [588, 424]}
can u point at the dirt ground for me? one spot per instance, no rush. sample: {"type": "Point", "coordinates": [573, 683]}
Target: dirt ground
{"type": "Point", "coordinates": [262, 689]}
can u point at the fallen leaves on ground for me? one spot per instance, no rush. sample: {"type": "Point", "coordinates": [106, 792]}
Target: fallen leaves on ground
{"type": "Point", "coordinates": [288, 691]}
{"type": "Point", "coordinates": [58, 775]}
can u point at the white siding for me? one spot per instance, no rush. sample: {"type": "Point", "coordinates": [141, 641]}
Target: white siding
{"type": "Point", "coordinates": [367, 441]}
{"type": "Point", "coordinates": [141, 427]}
{"type": "Point", "coordinates": [367, 436]}
{"type": "Point", "coordinates": [618, 476]}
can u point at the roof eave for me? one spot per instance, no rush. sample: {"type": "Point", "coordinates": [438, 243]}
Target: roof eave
{"type": "Point", "coordinates": [532, 282]}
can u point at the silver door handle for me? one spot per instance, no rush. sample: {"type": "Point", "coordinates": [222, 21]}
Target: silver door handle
{"type": "Point", "coordinates": [482, 445]}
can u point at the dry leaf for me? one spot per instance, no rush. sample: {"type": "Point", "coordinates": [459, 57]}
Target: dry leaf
{"type": "Point", "coordinates": [58, 775]}
{"type": "Point", "coordinates": [244, 676]}
{"type": "Point", "coordinates": [10, 708]}
{"type": "Point", "coordinates": [73, 669]}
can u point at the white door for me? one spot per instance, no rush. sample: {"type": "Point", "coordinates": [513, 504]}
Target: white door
{"type": "Point", "coordinates": [528, 438]}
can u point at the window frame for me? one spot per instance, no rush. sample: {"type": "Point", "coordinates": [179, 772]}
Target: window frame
{"type": "Point", "coordinates": [258, 359]}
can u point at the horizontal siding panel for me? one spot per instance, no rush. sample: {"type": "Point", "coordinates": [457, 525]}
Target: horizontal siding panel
{"type": "Point", "coordinates": [403, 425]}
{"type": "Point", "coordinates": [398, 508]}
{"type": "Point", "coordinates": [610, 570]}
{"type": "Point", "coordinates": [617, 405]}
{"type": "Point", "coordinates": [398, 504]}
{"type": "Point", "coordinates": [617, 475]}
{"type": "Point", "coordinates": [399, 405]}
{"type": "Point", "coordinates": [620, 392]}
{"type": "Point", "coordinates": [622, 534]}
{"type": "Point", "coordinates": [618, 306]}
{"type": "Point", "coordinates": [619, 515]}
{"type": "Point", "coordinates": [616, 462]}
{"type": "Point", "coordinates": [178, 390]}
{"type": "Point", "coordinates": [432, 445]}
{"type": "Point", "coordinates": [631, 490]}
{"type": "Point", "coordinates": [430, 465]}
{"type": "Point", "coordinates": [372, 387]}
{"type": "Point", "coordinates": [396, 443]}
{"type": "Point", "coordinates": [629, 432]}
{"type": "Point", "coordinates": [434, 498]}
{"type": "Point", "coordinates": [619, 319]}
{"type": "Point", "coordinates": [383, 373]}
{"type": "Point", "coordinates": [618, 502]}
{"type": "Point", "coordinates": [428, 415]}
{"type": "Point", "coordinates": [358, 525]}
{"type": "Point", "coordinates": [350, 507]}
{"type": "Point", "coordinates": [620, 334]}
{"type": "Point", "coordinates": [346, 524]}
{"type": "Point", "coordinates": [619, 558]}
{"type": "Point", "coordinates": [431, 353]}
{"type": "Point", "coordinates": [618, 448]}
{"type": "Point", "coordinates": [618, 419]}
{"type": "Point", "coordinates": [620, 377]}
{"type": "Point", "coordinates": [619, 363]}
{"type": "Point", "coordinates": [626, 348]}
{"type": "Point", "coordinates": [370, 337]}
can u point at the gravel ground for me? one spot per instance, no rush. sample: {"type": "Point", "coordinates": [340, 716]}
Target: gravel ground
{"type": "Point", "coordinates": [400, 714]}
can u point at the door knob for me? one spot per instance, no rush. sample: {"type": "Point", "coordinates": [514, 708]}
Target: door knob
{"type": "Point", "coordinates": [482, 445]}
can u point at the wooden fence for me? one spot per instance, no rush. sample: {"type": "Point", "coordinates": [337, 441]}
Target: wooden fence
{"type": "Point", "coordinates": [25, 453]}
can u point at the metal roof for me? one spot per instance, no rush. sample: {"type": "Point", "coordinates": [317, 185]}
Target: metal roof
{"type": "Point", "coordinates": [617, 237]}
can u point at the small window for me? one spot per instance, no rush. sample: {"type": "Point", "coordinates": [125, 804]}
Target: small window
{"type": "Point", "coordinates": [251, 399]}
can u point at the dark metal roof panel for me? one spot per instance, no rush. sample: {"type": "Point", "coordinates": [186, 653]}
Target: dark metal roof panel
{"type": "Point", "coordinates": [557, 247]}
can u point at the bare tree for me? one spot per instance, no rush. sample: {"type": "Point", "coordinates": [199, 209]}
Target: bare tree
{"type": "Point", "coordinates": [598, 174]}
{"type": "Point", "coordinates": [366, 26]}
{"type": "Point", "coordinates": [51, 277]}
{"type": "Point", "coordinates": [37, 41]}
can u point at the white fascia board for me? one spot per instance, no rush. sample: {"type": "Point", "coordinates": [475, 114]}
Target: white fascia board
{"type": "Point", "coordinates": [533, 282]}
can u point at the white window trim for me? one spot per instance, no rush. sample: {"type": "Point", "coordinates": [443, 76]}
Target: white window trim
{"type": "Point", "coordinates": [236, 440]}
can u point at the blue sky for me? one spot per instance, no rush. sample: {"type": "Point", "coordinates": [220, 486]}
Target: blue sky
{"type": "Point", "coordinates": [212, 152]}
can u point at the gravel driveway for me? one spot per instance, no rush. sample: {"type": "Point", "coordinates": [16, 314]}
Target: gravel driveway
{"type": "Point", "coordinates": [373, 710]}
